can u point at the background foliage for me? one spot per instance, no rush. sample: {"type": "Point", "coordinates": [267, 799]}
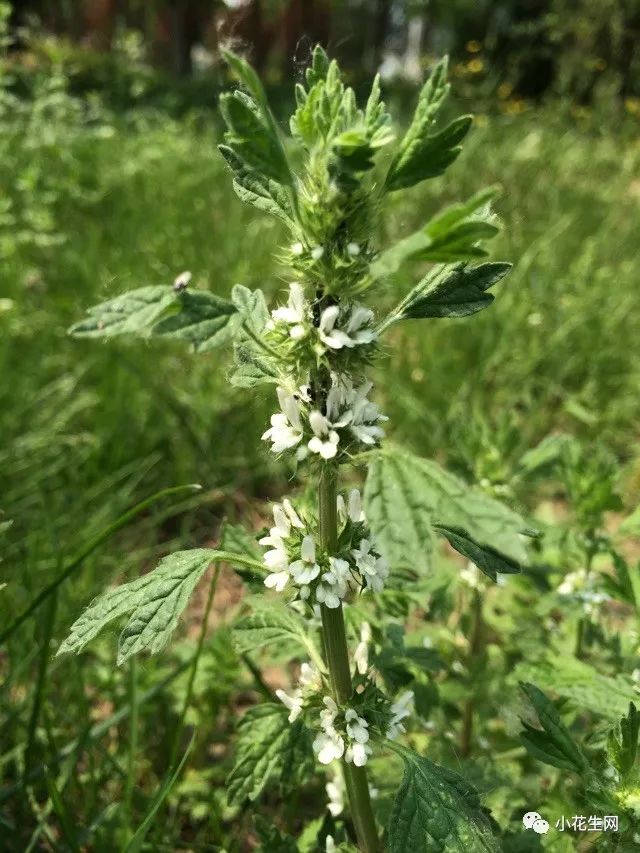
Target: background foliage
{"type": "Point", "coordinates": [109, 179]}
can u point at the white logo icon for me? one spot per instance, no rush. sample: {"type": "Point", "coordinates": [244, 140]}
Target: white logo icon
{"type": "Point", "coordinates": [535, 821]}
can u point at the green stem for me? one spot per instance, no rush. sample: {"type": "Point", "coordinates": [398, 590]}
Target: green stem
{"type": "Point", "coordinates": [335, 644]}
{"type": "Point", "coordinates": [476, 647]}
{"type": "Point", "coordinates": [133, 741]}
{"type": "Point", "coordinates": [583, 621]}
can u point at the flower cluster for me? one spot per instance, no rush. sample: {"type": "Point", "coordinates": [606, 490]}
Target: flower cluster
{"type": "Point", "coordinates": [400, 710]}
{"type": "Point", "coordinates": [309, 681]}
{"type": "Point", "coordinates": [348, 417]}
{"type": "Point", "coordinates": [580, 587]}
{"type": "Point", "coordinates": [338, 326]}
{"type": "Point", "coordinates": [292, 556]}
{"type": "Point", "coordinates": [343, 735]}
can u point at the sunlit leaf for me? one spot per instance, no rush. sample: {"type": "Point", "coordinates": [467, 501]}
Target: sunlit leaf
{"type": "Point", "coordinates": [437, 811]}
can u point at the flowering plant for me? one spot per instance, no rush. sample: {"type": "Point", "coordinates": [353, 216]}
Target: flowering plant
{"type": "Point", "coordinates": [342, 553]}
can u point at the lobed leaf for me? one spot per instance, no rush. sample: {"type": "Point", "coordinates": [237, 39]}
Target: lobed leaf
{"type": "Point", "coordinates": [553, 744]}
{"type": "Point", "coordinates": [437, 811]}
{"type": "Point", "coordinates": [423, 155]}
{"type": "Point", "coordinates": [268, 748]}
{"type": "Point", "coordinates": [404, 494]}
{"type": "Point", "coordinates": [485, 557]}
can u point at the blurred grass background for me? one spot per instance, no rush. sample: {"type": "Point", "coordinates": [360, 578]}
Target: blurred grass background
{"type": "Point", "coordinates": [110, 179]}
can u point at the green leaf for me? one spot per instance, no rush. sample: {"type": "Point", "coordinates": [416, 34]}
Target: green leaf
{"type": "Point", "coordinates": [546, 454]}
{"type": "Point", "coordinates": [153, 603]}
{"type": "Point", "coordinates": [197, 316]}
{"type": "Point", "coordinates": [270, 622]}
{"type": "Point", "coordinates": [553, 744]}
{"type": "Point", "coordinates": [581, 684]}
{"type": "Point", "coordinates": [258, 190]}
{"type": "Point", "coordinates": [134, 312]}
{"type": "Point", "coordinates": [269, 748]}
{"type": "Point", "coordinates": [248, 77]}
{"type": "Point", "coordinates": [622, 743]}
{"type": "Point", "coordinates": [202, 320]}
{"type": "Point", "coordinates": [437, 811]}
{"type": "Point", "coordinates": [449, 292]}
{"type": "Point", "coordinates": [252, 139]}
{"type": "Point", "coordinates": [251, 307]}
{"type": "Point", "coordinates": [420, 154]}
{"type": "Point", "coordinates": [404, 494]}
{"type": "Point", "coordinates": [452, 235]}
{"type": "Point", "coordinates": [485, 557]}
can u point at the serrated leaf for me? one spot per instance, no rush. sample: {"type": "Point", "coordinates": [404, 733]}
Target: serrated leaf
{"type": "Point", "coordinates": [253, 139]}
{"type": "Point", "coordinates": [452, 235]}
{"type": "Point", "coordinates": [153, 603]}
{"type": "Point", "coordinates": [437, 811]}
{"type": "Point", "coordinates": [202, 320]}
{"type": "Point", "coordinates": [252, 367]}
{"type": "Point", "coordinates": [134, 312]}
{"type": "Point", "coordinates": [268, 748]}
{"type": "Point", "coordinates": [553, 744]}
{"type": "Point", "coordinates": [581, 684]}
{"type": "Point", "coordinates": [622, 743]}
{"type": "Point", "coordinates": [447, 291]}
{"type": "Point", "coordinates": [256, 189]}
{"type": "Point", "coordinates": [270, 622]}
{"type": "Point", "coordinates": [485, 557]}
{"type": "Point", "coordinates": [196, 316]}
{"type": "Point", "coordinates": [404, 494]}
{"type": "Point", "coordinates": [251, 307]}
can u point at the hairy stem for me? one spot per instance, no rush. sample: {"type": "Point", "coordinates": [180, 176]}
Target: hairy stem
{"type": "Point", "coordinates": [335, 644]}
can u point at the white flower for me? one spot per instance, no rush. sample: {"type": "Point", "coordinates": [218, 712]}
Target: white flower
{"type": "Point", "coordinates": [317, 252]}
{"type": "Point", "coordinates": [309, 676]}
{"type": "Point", "coordinates": [373, 568]}
{"type": "Point", "coordinates": [357, 753]}
{"type": "Point", "coordinates": [297, 249]}
{"type": "Point", "coordinates": [331, 337]}
{"type": "Point", "coordinates": [365, 416]}
{"type": "Point", "coordinates": [357, 727]}
{"type": "Point", "coordinates": [353, 334]}
{"type": "Point", "coordinates": [305, 569]}
{"type": "Point", "coordinates": [277, 580]}
{"type": "Point", "coordinates": [355, 506]}
{"type": "Point", "coordinates": [360, 318]}
{"type": "Point", "coordinates": [353, 249]}
{"type": "Point", "coordinates": [292, 515]}
{"type": "Point", "coordinates": [335, 793]}
{"type": "Point", "coordinates": [295, 312]}
{"type": "Point", "coordinates": [293, 703]}
{"type": "Point", "coordinates": [335, 583]}
{"type": "Point", "coordinates": [471, 576]}
{"type": "Point", "coordinates": [325, 440]}
{"type": "Point", "coordinates": [400, 710]}
{"type": "Point", "coordinates": [330, 844]}
{"type": "Point", "coordinates": [361, 654]}
{"type": "Point", "coordinates": [328, 746]}
{"type": "Point", "coordinates": [286, 426]}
